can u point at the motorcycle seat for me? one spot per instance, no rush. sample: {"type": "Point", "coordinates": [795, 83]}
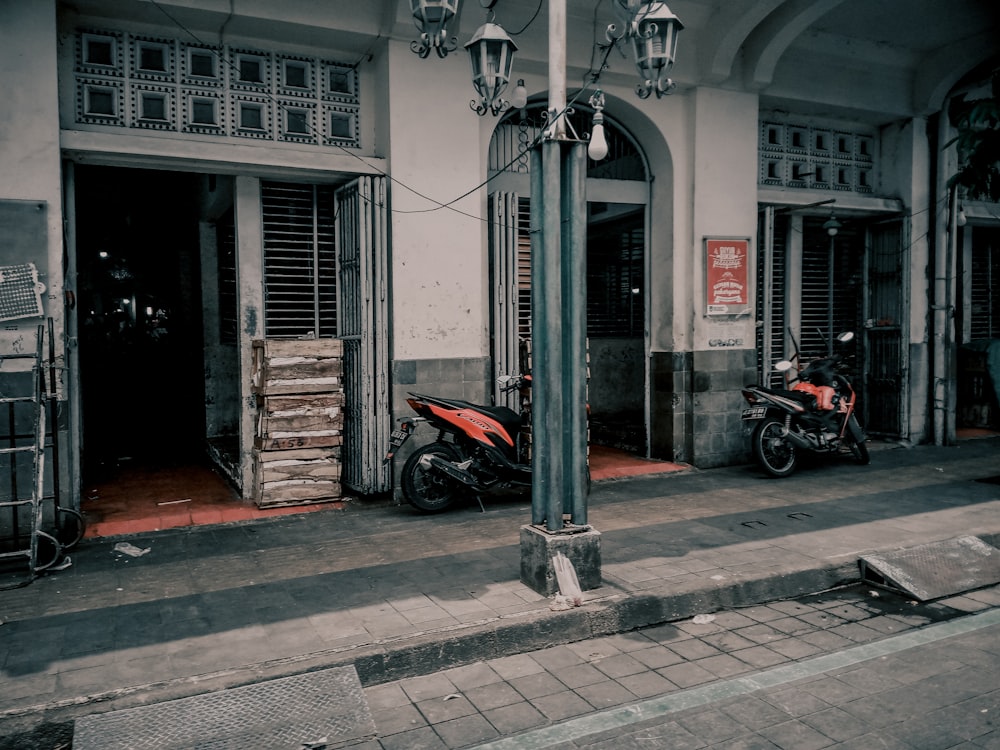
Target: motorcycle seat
{"type": "Point", "coordinates": [507, 417]}
{"type": "Point", "coordinates": [808, 400]}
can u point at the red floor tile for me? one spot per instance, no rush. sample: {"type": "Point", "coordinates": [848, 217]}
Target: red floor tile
{"type": "Point", "coordinates": [140, 499]}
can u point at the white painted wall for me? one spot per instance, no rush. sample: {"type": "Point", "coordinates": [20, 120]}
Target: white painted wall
{"type": "Point", "coordinates": [724, 143]}
{"type": "Point", "coordinates": [29, 141]}
{"type": "Point", "coordinates": [439, 254]}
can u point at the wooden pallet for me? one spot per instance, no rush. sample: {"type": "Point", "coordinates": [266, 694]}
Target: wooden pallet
{"type": "Point", "coordinates": [300, 421]}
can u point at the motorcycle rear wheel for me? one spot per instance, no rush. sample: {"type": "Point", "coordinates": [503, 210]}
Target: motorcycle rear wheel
{"type": "Point", "coordinates": [856, 436]}
{"type": "Point", "coordinates": [771, 449]}
{"type": "Point", "coordinates": [426, 490]}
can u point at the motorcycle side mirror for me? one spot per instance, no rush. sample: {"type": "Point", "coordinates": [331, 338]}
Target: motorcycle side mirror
{"type": "Point", "coordinates": [845, 337]}
{"type": "Point", "coordinates": [783, 366]}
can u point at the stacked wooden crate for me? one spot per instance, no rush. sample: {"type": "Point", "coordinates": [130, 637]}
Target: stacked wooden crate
{"type": "Point", "coordinates": [299, 388]}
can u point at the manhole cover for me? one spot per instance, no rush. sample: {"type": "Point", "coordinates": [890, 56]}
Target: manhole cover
{"type": "Point", "coordinates": [291, 712]}
{"type": "Point", "coordinates": [933, 570]}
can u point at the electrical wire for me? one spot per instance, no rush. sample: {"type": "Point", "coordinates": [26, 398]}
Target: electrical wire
{"type": "Point", "coordinates": [530, 21]}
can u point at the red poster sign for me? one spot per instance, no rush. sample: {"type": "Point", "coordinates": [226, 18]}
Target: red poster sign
{"type": "Point", "coordinates": [726, 283]}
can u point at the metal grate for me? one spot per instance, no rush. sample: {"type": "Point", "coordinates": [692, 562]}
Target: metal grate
{"type": "Point", "coordinates": [825, 315]}
{"type": "Point", "coordinates": [300, 265]}
{"type": "Point", "coordinates": [771, 293]}
{"type": "Point", "coordinates": [884, 371]}
{"type": "Point", "coordinates": [616, 278]}
{"type": "Point", "coordinates": [363, 239]}
{"type": "Point", "coordinates": [984, 294]}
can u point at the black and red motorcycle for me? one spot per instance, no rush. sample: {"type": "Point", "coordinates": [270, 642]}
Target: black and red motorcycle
{"type": "Point", "coordinates": [478, 449]}
{"type": "Point", "coordinates": [816, 414]}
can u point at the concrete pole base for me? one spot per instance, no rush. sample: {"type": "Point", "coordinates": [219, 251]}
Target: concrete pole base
{"type": "Point", "coordinates": [581, 545]}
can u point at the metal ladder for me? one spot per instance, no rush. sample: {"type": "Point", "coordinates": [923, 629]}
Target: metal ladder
{"type": "Point", "coordinates": [38, 541]}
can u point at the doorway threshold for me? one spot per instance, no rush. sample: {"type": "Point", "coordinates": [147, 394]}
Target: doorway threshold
{"type": "Point", "coordinates": [612, 463]}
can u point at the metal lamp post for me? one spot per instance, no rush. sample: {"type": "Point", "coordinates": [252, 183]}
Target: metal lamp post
{"type": "Point", "coordinates": [558, 265]}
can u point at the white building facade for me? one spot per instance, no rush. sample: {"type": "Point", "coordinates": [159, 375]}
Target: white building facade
{"type": "Point", "coordinates": [191, 176]}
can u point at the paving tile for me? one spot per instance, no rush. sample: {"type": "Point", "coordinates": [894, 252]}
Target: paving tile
{"type": "Point", "coordinates": [396, 719]}
{"type": "Point", "coordinates": [427, 686]}
{"type": "Point", "coordinates": [856, 632]}
{"type": "Point", "coordinates": [794, 648]}
{"type": "Point", "coordinates": [791, 626]}
{"type": "Point", "coordinates": [881, 739]}
{"type": "Point", "coordinates": [686, 675]}
{"type": "Point", "coordinates": [579, 675]}
{"type": "Point", "coordinates": [557, 657]}
{"type": "Point", "coordinates": [791, 607]}
{"type": "Point", "coordinates": [389, 695]}
{"type": "Point", "coordinates": [797, 735]}
{"type": "Point", "coordinates": [795, 702]}
{"type": "Point", "coordinates": [665, 634]}
{"type": "Point", "coordinates": [763, 613]}
{"type": "Point", "coordinates": [605, 694]}
{"type": "Point", "coordinates": [518, 665]}
{"type": "Point", "coordinates": [761, 633]}
{"type": "Point", "coordinates": [732, 620]}
{"type": "Point", "coordinates": [867, 680]}
{"type": "Point", "coordinates": [656, 657]}
{"type": "Point", "coordinates": [494, 695]}
{"type": "Point", "coordinates": [885, 625]}
{"type": "Point", "coordinates": [724, 666]}
{"type": "Point", "coordinates": [749, 742]}
{"type": "Point", "coordinates": [727, 641]}
{"type": "Point", "coordinates": [752, 712]}
{"type": "Point", "coordinates": [929, 732]}
{"type": "Point", "coordinates": [825, 641]}
{"type": "Point", "coordinates": [667, 735]}
{"type": "Point", "coordinates": [537, 685]}
{"type": "Point", "coordinates": [835, 723]}
{"type": "Point", "coordinates": [760, 657]}
{"type": "Point", "coordinates": [515, 718]}
{"type": "Point", "coordinates": [423, 738]}
{"type": "Point", "coordinates": [452, 706]}
{"type": "Point", "coordinates": [829, 689]}
{"type": "Point", "coordinates": [711, 725]}
{"type": "Point", "coordinates": [628, 642]}
{"type": "Point", "coordinates": [619, 665]}
{"type": "Point", "coordinates": [694, 648]}
{"type": "Point", "coordinates": [562, 705]}
{"type": "Point", "coordinates": [472, 675]}
{"type": "Point", "coordinates": [594, 650]}
{"type": "Point", "coordinates": [646, 684]}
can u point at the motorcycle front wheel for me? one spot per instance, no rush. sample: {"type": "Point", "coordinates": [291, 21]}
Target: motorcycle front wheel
{"type": "Point", "coordinates": [427, 490]}
{"type": "Point", "coordinates": [771, 449]}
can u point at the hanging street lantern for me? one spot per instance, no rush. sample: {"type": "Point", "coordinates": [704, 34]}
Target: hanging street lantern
{"type": "Point", "coordinates": [653, 36]}
{"type": "Point", "coordinates": [491, 52]}
{"type": "Point", "coordinates": [432, 18]}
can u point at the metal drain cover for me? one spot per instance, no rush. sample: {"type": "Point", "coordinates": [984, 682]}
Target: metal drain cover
{"type": "Point", "coordinates": [321, 709]}
{"type": "Point", "coordinates": [933, 570]}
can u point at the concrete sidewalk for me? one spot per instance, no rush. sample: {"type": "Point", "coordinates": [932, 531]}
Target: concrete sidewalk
{"type": "Point", "coordinates": [399, 595]}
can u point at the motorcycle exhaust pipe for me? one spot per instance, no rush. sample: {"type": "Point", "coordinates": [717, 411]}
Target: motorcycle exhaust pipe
{"type": "Point", "coordinates": [800, 441]}
{"type": "Point", "coordinates": [447, 467]}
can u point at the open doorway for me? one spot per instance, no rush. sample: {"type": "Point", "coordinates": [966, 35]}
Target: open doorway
{"type": "Point", "coordinates": [139, 312]}
{"type": "Point", "coordinates": [616, 322]}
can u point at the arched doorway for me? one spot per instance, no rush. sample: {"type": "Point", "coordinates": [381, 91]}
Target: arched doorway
{"type": "Point", "coordinates": [617, 271]}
